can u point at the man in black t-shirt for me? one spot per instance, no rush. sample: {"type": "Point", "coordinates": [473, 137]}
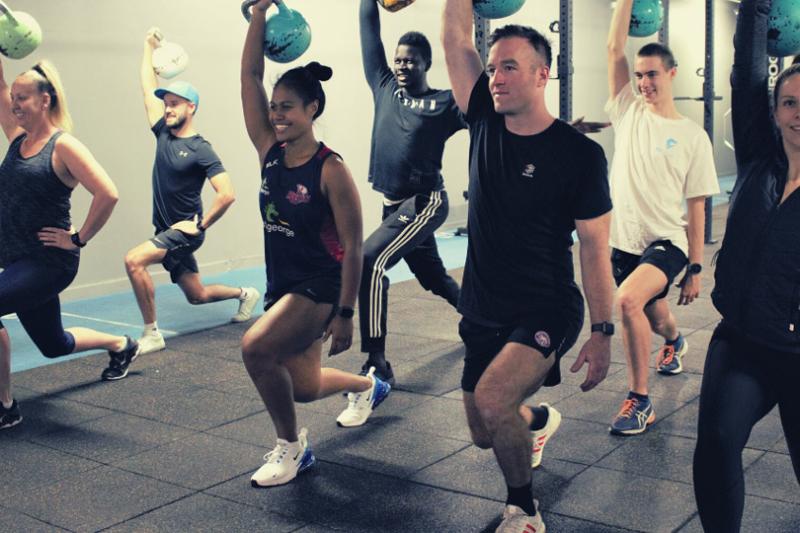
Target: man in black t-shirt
{"type": "Point", "coordinates": [411, 125]}
{"type": "Point", "coordinates": [533, 180]}
{"type": "Point", "coordinates": [184, 160]}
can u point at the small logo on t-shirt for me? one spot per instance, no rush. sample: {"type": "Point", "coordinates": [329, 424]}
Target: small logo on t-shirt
{"type": "Point", "coordinates": [527, 172]}
{"type": "Point", "coordinates": [183, 153]}
{"type": "Point", "coordinates": [298, 196]}
{"type": "Point", "coordinates": [671, 142]}
{"type": "Point", "coordinates": [271, 212]}
{"type": "Point", "coordinates": [542, 339]}
{"type": "Point", "coordinates": [271, 163]}
{"type": "Point", "coordinates": [403, 218]}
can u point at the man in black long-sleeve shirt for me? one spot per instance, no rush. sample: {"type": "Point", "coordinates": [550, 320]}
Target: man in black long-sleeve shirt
{"type": "Point", "coordinates": [411, 125]}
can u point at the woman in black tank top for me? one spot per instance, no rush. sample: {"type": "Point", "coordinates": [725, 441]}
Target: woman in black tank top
{"type": "Point", "coordinates": [38, 246]}
{"type": "Point", "coordinates": [304, 307]}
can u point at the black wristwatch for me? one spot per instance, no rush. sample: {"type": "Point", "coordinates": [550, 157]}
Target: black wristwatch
{"type": "Point", "coordinates": [346, 312]}
{"type": "Point", "coordinates": [76, 240]}
{"type": "Point", "coordinates": [606, 328]}
{"type": "Point", "coordinates": [694, 268]}
{"type": "Point", "coordinates": [200, 225]}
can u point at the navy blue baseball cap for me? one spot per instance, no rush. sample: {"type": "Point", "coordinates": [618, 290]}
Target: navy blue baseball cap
{"type": "Point", "coordinates": [184, 89]}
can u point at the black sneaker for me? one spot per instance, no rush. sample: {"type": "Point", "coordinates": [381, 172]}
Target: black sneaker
{"type": "Point", "coordinates": [120, 361]}
{"type": "Point", "coordinates": [10, 417]}
{"type": "Point", "coordinates": [383, 373]}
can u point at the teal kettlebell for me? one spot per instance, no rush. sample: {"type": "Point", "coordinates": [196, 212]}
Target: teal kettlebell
{"type": "Point", "coordinates": [287, 35]}
{"type": "Point", "coordinates": [496, 9]}
{"type": "Point", "coordinates": [783, 35]}
{"type": "Point", "coordinates": [20, 34]}
{"type": "Point", "coordinates": [646, 18]}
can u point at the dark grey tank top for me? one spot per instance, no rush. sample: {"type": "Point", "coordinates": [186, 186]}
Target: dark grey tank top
{"type": "Point", "coordinates": [32, 197]}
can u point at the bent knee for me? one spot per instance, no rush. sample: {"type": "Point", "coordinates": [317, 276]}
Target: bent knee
{"type": "Point", "coordinates": [629, 304]}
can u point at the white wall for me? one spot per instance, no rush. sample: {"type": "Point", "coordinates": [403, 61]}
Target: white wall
{"type": "Point", "coordinates": [96, 45]}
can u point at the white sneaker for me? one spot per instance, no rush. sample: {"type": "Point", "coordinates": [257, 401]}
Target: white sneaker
{"type": "Point", "coordinates": [361, 404]}
{"type": "Point", "coordinates": [151, 342]}
{"type": "Point", "coordinates": [284, 462]}
{"type": "Point", "coordinates": [516, 521]}
{"type": "Point", "coordinates": [541, 436]}
{"type": "Point", "coordinates": [246, 305]}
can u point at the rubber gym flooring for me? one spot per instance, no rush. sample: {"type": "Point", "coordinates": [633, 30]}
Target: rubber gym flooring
{"type": "Point", "coordinates": [171, 447]}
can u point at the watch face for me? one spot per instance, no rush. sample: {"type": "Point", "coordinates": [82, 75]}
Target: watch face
{"type": "Point", "coordinates": [695, 268]}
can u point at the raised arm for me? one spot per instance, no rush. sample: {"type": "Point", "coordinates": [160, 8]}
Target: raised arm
{"type": "Point", "coordinates": [618, 71]}
{"type": "Point", "coordinates": [342, 195]}
{"type": "Point", "coordinates": [153, 106]}
{"type": "Point", "coordinates": [373, 55]}
{"type": "Point", "coordinates": [255, 102]}
{"type": "Point", "coordinates": [464, 64]}
{"type": "Point", "coordinates": [752, 123]}
{"type": "Point", "coordinates": [7, 119]}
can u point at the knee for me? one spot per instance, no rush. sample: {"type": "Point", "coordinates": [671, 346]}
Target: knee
{"type": "Point", "coordinates": [306, 394]}
{"type": "Point", "coordinates": [629, 305]}
{"type": "Point", "coordinates": [132, 263]}
{"type": "Point", "coordinates": [254, 353]}
{"type": "Point", "coordinates": [55, 349]}
{"type": "Point", "coordinates": [493, 411]}
{"type": "Point", "coordinates": [481, 440]}
{"type": "Point", "coordinates": [197, 297]}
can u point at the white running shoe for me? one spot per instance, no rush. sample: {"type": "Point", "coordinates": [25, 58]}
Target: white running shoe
{"type": "Point", "coordinates": [541, 436]}
{"type": "Point", "coordinates": [361, 404]}
{"type": "Point", "coordinates": [246, 304]}
{"type": "Point", "coordinates": [516, 521]}
{"type": "Point", "coordinates": [151, 342]}
{"type": "Point", "coordinates": [284, 462]}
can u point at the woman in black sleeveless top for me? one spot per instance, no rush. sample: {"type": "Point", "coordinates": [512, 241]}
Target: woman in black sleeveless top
{"type": "Point", "coordinates": [38, 246]}
{"type": "Point", "coordinates": [312, 245]}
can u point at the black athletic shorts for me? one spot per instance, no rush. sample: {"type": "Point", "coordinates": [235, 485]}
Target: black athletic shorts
{"type": "Point", "coordinates": [180, 249]}
{"type": "Point", "coordinates": [546, 332]}
{"type": "Point", "coordinates": [323, 290]}
{"type": "Point", "coordinates": [663, 255]}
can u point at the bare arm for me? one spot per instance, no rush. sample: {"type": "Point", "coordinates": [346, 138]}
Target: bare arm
{"type": "Point", "coordinates": [225, 197]}
{"type": "Point", "coordinates": [695, 231]}
{"type": "Point", "coordinates": [342, 195]}
{"type": "Point", "coordinates": [153, 106]}
{"type": "Point", "coordinates": [7, 119]}
{"type": "Point", "coordinates": [254, 96]}
{"type": "Point", "coordinates": [463, 61]}
{"type": "Point", "coordinates": [85, 169]}
{"type": "Point", "coordinates": [618, 70]}
{"type": "Point", "coordinates": [373, 55]}
{"type": "Point", "coordinates": [598, 285]}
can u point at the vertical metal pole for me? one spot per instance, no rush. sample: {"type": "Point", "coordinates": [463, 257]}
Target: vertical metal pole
{"type": "Point", "coordinates": [482, 37]}
{"type": "Point", "coordinates": [708, 100]}
{"type": "Point", "coordinates": [565, 61]}
{"type": "Point", "coordinates": [663, 33]}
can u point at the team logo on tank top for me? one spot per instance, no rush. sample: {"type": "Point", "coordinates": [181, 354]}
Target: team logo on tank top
{"type": "Point", "coordinates": [298, 196]}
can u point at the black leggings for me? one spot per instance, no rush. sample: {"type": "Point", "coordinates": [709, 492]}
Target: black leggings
{"type": "Point", "coordinates": [30, 287]}
{"type": "Point", "coordinates": [742, 382]}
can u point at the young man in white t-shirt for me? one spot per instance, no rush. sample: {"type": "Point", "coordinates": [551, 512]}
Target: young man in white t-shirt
{"type": "Point", "coordinates": [661, 159]}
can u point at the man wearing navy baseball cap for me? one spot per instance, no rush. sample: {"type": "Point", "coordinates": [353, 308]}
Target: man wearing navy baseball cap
{"type": "Point", "coordinates": [184, 161]}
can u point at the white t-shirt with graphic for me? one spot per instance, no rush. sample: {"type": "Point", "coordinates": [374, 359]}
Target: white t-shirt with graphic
{"type": "Point", "coordinates": [658, 163]}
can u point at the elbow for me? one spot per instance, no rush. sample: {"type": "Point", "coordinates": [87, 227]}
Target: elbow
{"type": "Point", "coordinates": [228, 199]}
{"type": "Point", "coordinates": [614, 49]}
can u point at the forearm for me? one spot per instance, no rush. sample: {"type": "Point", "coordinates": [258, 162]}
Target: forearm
{"type": "Point", "coordinates": [253, 52]}
{"type": "Point", "coordinates": [618, 32]}
{"type": "Point", "coordinates": [221, 204]}
{"type": "Point", "coordinates": [147, 75]}
{"type": "Point", "coordinates": [373, 54]}
{"type": "Point", "coordinates": [351, 275]}
{"type": "Point", "coordinates": [99, 212]}
{"type": "Point", "coordinates": [456, 23]}
{"type": "Point", "coordinates": [598, 284]}
{"type": "Point", "coordinates": [695, 229]}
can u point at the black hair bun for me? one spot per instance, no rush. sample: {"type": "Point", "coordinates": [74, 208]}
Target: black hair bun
{"type": "Point", "coordinates": [320, 72]}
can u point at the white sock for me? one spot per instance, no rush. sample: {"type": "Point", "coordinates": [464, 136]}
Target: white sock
{"type": "Point", "coordinates": [151, 328]}
{"type": "Point", "coordinates": [7, 405]}
{"type": "Point", "coordinates": [243, 295]}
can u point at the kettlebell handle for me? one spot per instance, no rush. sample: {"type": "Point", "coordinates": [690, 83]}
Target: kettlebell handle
{"type": "Point", "coordinates": [7, 12]}
{"type": "Point", "coordinates": [247, 4]}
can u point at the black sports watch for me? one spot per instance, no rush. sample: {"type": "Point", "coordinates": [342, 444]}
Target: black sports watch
{"type": "Point", "coordinates": [76, 240]}
{"type": "Point", "coordinates": [606, 328]}
{"type": "Point", "coordinates": [200, 225]}
{"type": "Point", "coordinates": [346, 312]}
{"type": "Point", "coordinates": [694, 268]}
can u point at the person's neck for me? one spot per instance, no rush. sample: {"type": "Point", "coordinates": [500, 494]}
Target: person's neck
{"type": "Point", "coordinates": [793, 156]}
{"type": "Point", "coordinates": [43, 130]}
{"type": "Point", "coordinates": [530, 122]}
{"type": "Point", "coordinates": [300, 150]}
{"type": "Point", "coordinates": [417, 90]}
{"type": "Point", "coordinates": [186, 130]}
{"type": "Point", "coordinates": [665, 108]}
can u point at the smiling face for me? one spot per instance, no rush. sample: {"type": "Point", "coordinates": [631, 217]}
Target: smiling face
{"type": "Point", "coordinates": [787, 112]}
{"type": "Point", "coordinates": [653, 79]}
{"type": "Point", "coordinates": [517, 75]}
{"type": "Point", "coordinates": [290, 118]}
{"type": "Point", "coordinates": [28, 104]}
{"type": "Point", "coordinates": [409, 67]}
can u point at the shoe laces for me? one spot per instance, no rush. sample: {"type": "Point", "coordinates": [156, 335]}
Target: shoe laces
{"type": "Point", "coordinates": [628, 408]}
{"type": "Point", "coordinates": [666, 355]}
{"type": "Point", "coordinates": [278, 453]}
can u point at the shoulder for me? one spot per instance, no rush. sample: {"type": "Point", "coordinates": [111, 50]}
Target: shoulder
{"type": "Point", "coordinates": [575, 141]}
{"type": "Point", "coordinates": [67, 144]}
